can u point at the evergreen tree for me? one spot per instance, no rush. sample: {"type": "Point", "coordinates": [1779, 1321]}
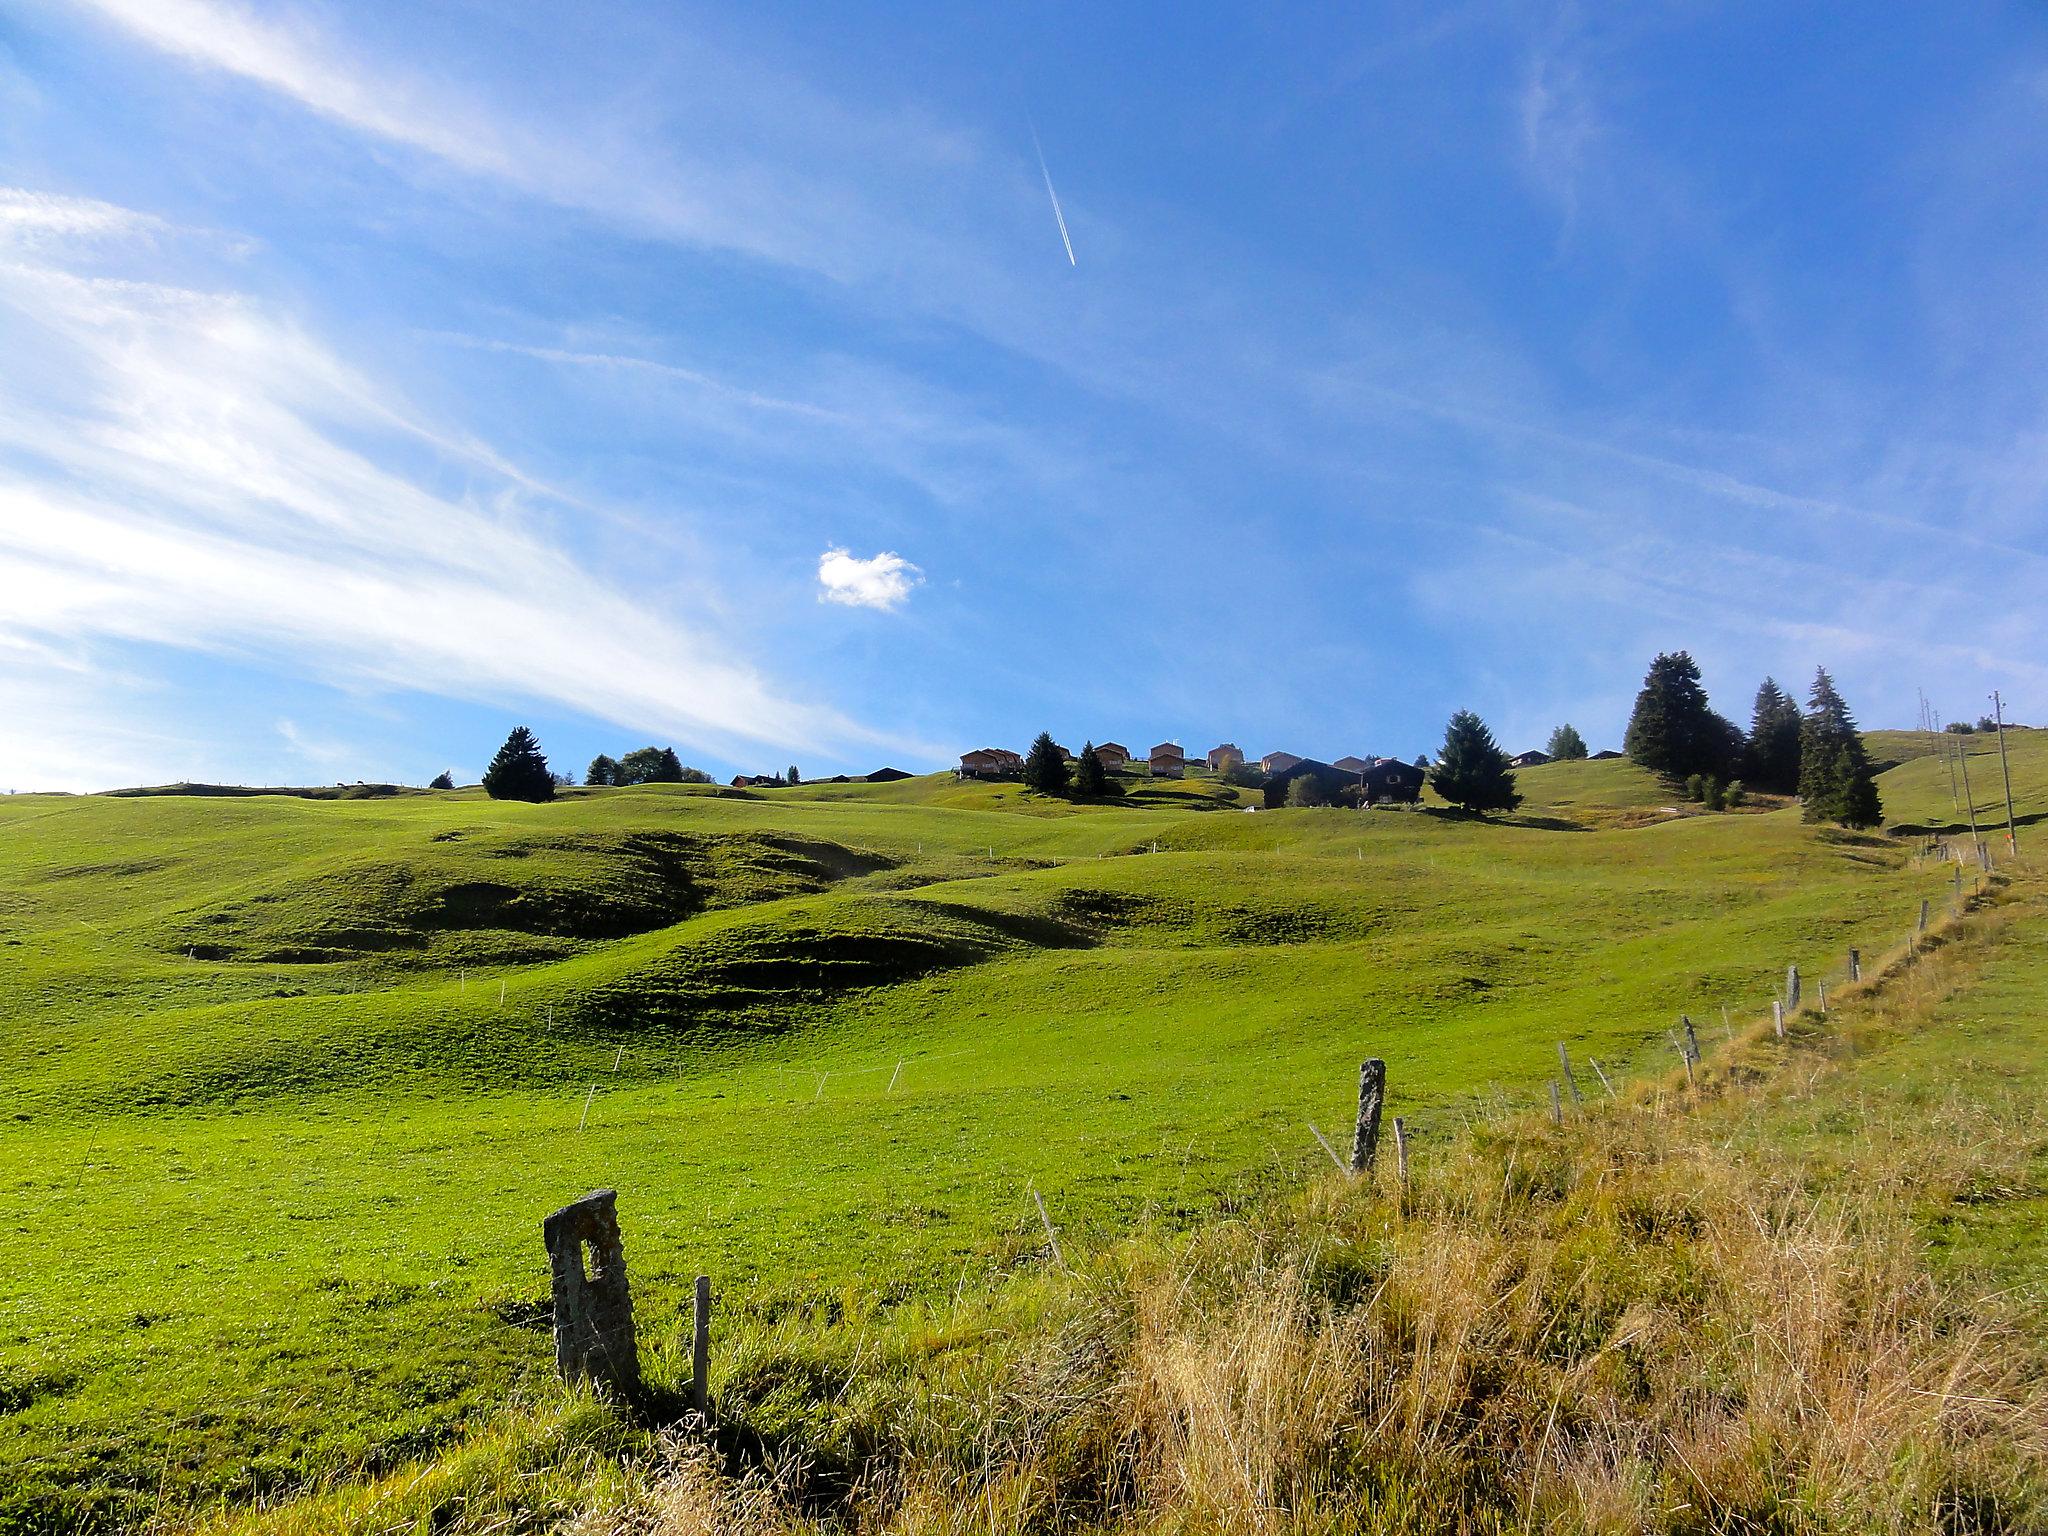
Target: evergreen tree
{"type": "Point", "coordinates": [602, 770]}
{"type": "Point", "coordinates": [1567, 745]}
{"type": "Point", "coordinates": [1089, 779]}
{"type": "Point", "coordinates": [519, 772]}
{"type": "Point", "coordinates": [791, 775]}
{"type": "Point", "coordinates": [1673, 731]}
{"type": "Point", "coordinates": [670, 769]}
{"type": "Point", "coordinates": [1835, 782]}
{"type": "Point", "coordinates": [442, 780]}
{"type": "Point", "coordinates": [1045, 766]}
{"type": "Point", "coordinates": [1471, 770]}
{"type": "Point", "coordinates": [1770, 756]}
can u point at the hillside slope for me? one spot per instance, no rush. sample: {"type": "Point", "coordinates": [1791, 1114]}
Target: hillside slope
{"type": "Point", "coordinates": [292, 1082]}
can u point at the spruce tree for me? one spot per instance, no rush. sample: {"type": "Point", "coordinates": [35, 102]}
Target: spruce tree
{"type": "Point", "coordinates": [1566, 744]}
{"type": "Point", "coordinates": [1770, 756]}
{"type": "Point", "coordinates": [445, 779]}
{"type": "Point", "coordinates": [1471, 770]}
{"type": "Point", "coordinates": [1835, 782]}
{"type": "Point", "coordinates": [1045, 766]}
{"type": "Point", "coordinates": [519, 772]}
{"type": "Point", "coordinates": [670, 769]}
{"type": "Point", "coordinates": [1089, 779]}
{"type": "Point", "coordinates": [1673, 731]}
{"type": "Point", "coordinates": [602, 770]}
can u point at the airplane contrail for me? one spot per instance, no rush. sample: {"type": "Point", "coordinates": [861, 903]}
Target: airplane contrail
{"type": "Point", "coordinates": [1056, 213]}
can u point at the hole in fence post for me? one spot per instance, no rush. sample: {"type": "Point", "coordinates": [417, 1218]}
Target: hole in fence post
{"type": "Point", "coordinates": [1372, 1092]}
{"type": "Point", "coordinates": [595, 1340]}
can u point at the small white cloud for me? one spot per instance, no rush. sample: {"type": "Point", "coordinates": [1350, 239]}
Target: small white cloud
{"type": "Point", "coordinates": [882, 582]}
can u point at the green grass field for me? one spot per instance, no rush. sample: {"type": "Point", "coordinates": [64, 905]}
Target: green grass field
{"type": "Point", "coordinates": [277, 1152]}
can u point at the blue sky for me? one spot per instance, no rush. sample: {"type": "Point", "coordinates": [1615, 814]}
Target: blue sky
{"type": "Point", "coordinates": [373, 377]}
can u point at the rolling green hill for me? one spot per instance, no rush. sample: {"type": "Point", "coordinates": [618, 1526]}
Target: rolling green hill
{"type": "Point", "coordinates": [288, 1083]}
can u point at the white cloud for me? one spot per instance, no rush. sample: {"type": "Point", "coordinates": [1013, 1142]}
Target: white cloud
{"type": "Point", "coordinates": [189, 469]}
{"type": "Point", "coordinates": [884, 581]}
{"type": "Point", "coordinates": [29, 218]}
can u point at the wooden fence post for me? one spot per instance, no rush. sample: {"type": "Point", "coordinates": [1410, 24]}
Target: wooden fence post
{"type": "Point", "coordinates": [1791, 989]}
{"type": "Point", "coordinates": [1822, 985]}
{"type": "Point", "coordinates": [1692, 1041]}
{"type": "Point", "coordinates": [1556, 1104]}
{"type": "Point", "coordinates": [594, 1336]}
{"type": "Point", "coordinates": [1923, 914]}
{"type": "Point", "coordinates": [1603, 1077]}
{"type": "Point", "coordinates": [1855, 965]}
{"type": "Point", "coordinates": [1571, 1083]}
{"type": "Point", "coordinates": [1683, 1054]}
{"type": "Point", "coordinates": [700, 1349]}
{"type": "Point", "coordinates": [1778, 1018]}
{"type": "Point", "coordinates": [1401, 1153]}
{"type": "Point", "coordinates": [1372, 1093]}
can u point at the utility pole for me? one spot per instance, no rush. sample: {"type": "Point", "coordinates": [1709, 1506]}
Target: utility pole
{"type": "Point", "coordinates": [1969, 799]}
{"type": "Point", "coordinates": [2012, 836]}
{"type": "Point", "coordinates": [1948, 758]}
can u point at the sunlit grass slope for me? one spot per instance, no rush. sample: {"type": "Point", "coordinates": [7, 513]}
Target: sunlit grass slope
{"type": "Point", "coordinates": [289, 1084]}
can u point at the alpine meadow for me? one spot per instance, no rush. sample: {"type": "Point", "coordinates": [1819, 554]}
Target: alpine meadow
{"type": "Point", "coordinates": [932, 771]}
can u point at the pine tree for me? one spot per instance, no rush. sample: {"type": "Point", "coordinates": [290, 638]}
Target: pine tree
{"type": "Point", "coordinates": [671, 769]}
{"type": "Point", "coordinates": [1673, 731]}
{"type": "Point", "coordinates": [1566, 744]}
{"type": "Point", "coordinates": [1471, 770]}
{"type": "Point", "coordinates": [1835, 782]}
{"type": "Point", "coordinates": [1770, 756]}
{"type": "Point", "coordinates": [519, 772]}
{"type": "Point", "coordinates": [445, 779]}
{"type": "Point", "coordinates": [791, 774]}
{"type": "Point", "coordinates": [602, 770]}
{"type": "Point", "coordinates": [1045, 766]}
{"type": "Point", "coordinates": [1089, 779]}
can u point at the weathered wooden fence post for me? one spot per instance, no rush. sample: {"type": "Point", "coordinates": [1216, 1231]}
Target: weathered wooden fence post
{"type": "Point", "coordinates": [1372, 1094]}
{"type": "Point", "coordinates": [1401, 1153]}
{"type": "Point", "coordinates": [1556, 1104]}
{"type": "Point", "coordinates": [1923, 914]}
{"type": "Point", "coordinates": [1855, 965]}
{"type": "Point", "coordinates": [1791, 989]}
{"type": "Point", "coordinates": [1822, 987]}
{"type": "Point", "coordinates": [1692, 1041]}
{"type": "Point", "coordinates": [1684, 1055]}
{"type": "Point", "coordinates": [594, 1335]}
{"type": "Point", "coordinates": [1959, 890]}
{"type": "Point", "coordinates": [1564, 1062]}
{"type": "Point", "coordinates": [1778, 1018]}
{"type": "Point", "coordinates": [700, 1349]}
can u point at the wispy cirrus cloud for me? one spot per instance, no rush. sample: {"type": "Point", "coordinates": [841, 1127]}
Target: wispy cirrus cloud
{"type": "Point", "coordinates": [187, 468]}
